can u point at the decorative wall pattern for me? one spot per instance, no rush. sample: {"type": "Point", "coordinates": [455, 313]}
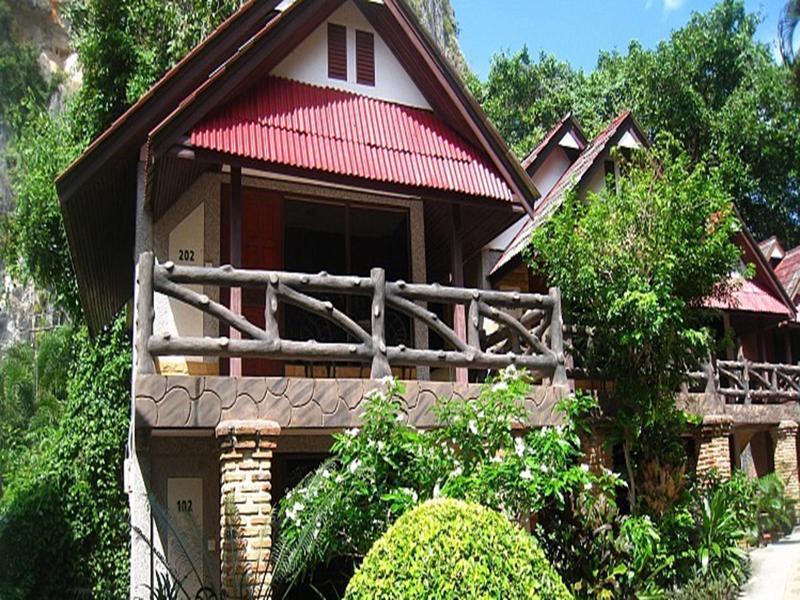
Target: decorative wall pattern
{"type": "Point", "coordinates": [202, 402]}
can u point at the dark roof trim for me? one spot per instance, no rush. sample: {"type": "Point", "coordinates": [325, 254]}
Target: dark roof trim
{"type": "Point", "coordinates": [762, 264]}
{"type": "Point", "coordinates": [549, 142]}
{"type": "Point", "coordinates": [130, 129]}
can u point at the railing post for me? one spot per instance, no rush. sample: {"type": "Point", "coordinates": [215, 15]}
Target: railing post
{"type": "Point", "coordinates": [473, 325]}
{"type": "Point", "coordinates": [746, 382]}
{"type": "Point", "coordinates": [271, 308]}
{"type": "Point", "coordinates": [380, 364]}
{"type": "Point", "coordinates": [711, 379]}
{"type": "Point", "coordinates": [145, 313]}
{"type": "Point", "coordinates": [557, 338]}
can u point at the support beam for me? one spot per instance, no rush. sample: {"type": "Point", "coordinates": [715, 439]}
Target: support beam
{"type": "Point", "coordinates": [235, 253]}
{"type": "Point", "coordinates": [457, 273]}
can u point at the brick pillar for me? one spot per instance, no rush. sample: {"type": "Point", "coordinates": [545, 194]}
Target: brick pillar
{"type": "Point", "coordinates": [786, 457]}
{"type": "Point", "coordinates": [595, 452]}
{"type": "Point", "coordinates": [714, 446]}
{"type": "Point", "coordinates": [246, 506]}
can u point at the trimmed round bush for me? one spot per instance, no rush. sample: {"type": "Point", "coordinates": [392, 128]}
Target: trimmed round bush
{"type": "Point", "coordinates": [451, 549]}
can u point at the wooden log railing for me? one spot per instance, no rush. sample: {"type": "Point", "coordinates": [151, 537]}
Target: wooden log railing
{"type": "Point", "coordinates": [528, 334]}
{"type": "Point", "coordinates": [749, 382]}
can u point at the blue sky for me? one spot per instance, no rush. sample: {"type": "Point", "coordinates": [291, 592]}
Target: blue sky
{"type": "Point", "coordinates": [575, 30]}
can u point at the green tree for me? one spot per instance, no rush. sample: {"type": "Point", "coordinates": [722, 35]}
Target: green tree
{"type": "Point", "coordinates": [525, 97]}
{"type": "Point", "coordinates": [711, 85]}
{"type": "Point", "coordinates": [633, 263]}
{"type": "Point", "coordinates": [20, 78]}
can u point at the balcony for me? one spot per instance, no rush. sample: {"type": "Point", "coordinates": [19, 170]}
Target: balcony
{"type": "Point", "coordinates": [472, 332]}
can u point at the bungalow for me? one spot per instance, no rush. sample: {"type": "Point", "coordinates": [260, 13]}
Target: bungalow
{"type": "Point", "coordinates": [286, 217]}
{"type": "Point", "coordinates": [748, 394]}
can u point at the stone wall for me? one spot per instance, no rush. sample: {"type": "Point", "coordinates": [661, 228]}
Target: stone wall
{"type": "Point", "coordinates": [714, 445]}
{"type": "Point", "coordinates": [786, 457]}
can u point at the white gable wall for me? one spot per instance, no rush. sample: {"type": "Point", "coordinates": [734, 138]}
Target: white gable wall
{"type": "Point", "coordinates": [551, 170]}
{"type": "Point", "coordinates": [309, 62]}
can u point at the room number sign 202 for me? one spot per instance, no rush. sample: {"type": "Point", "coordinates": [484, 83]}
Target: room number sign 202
{"type": "Point", "coordinates": [186, 254]}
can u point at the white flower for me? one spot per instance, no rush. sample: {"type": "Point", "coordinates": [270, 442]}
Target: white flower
{"type": "Point", "coordinates": [500, 386]}
{"type": "Point", "coordinates": [326, 474]}
{"type": "Point", "coordinates": [473, 427]}
{"type": "Point", "coordinates": [352, 432]}
{"type": "Point", "coordinates": [400, 417]}
{"type": "Point", "coordinates": [496, 459]}
{"type": "Point", "coordinates": [509, 372]}
{"type": "Point", "coordinates": [585, 468]}
{"type": "Point", "coordinates": [353, 466]}
{"type": "Point", "coordinates": [544, 468]}
{"type": "Point", "coordinates": [376, 394]}
{"type": "Point", "coordinates": [387, 380]}
{"type": "Point", "coordinates": [457, 471]}
{"type": "Point", "coordinates": [519, 446]}
{"type": "Point", "coordinates": [381, 445]}
{"type": "Point", "coordinates": [526, 474]}
{"type": "Point", "coordinates": [588, 485]}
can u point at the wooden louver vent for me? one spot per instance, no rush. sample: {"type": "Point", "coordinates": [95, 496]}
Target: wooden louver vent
{"type": "Point", "coordinates": [337, 51]}
{"type": "Point", "coordinates": [365, 58]}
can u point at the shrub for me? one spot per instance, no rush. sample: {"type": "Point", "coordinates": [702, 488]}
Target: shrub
{"type": "Point", "coordinates": [451, 549]}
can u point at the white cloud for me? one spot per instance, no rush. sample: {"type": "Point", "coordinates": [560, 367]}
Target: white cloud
{"type": "Point", "coordinates": [671, 5]}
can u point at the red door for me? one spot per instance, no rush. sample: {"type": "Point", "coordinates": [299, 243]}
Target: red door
{"type": "Point", "coordinates": [262, 248]}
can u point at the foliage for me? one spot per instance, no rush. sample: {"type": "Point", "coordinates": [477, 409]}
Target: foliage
{"type": "Point", "coordinates": [450, 549]}
{"type": "Point", "coordinates": [34, 246]}
{"type": "Point", "coordinates": [20, 78]}
{"type": "Point", "coordinates": [775, 512]}
{"type": "Point", "coordinates": [71, 486]}
{"type": "Point", "coordinates": [525, 97]}
{"type": "Point", "coordinates": [632, 262]}
{"type": "Point", "coordinates": [33, 390]}
{"type": "Point", "coordinates": [711, 85]}
{"type": "Point", "coordinates": [125, 46]}
{"type": "Point", "coordinates": [379, 472]}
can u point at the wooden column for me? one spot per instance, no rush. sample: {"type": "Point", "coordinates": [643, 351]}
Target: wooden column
{"type": "Point", "coordinates": [235, 254]}
{"type": "Point", "coordinates": [457, 271]}
{"type": "Point", "coordinates": [143, 260]}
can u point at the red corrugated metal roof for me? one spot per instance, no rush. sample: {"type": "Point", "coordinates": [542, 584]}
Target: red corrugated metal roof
{"type": "Point", "coordinates": [788, 271]}
{"type": "Point", "coordinates": [751, 296]}
{"type": "Point", "coordinates": [301, 125]}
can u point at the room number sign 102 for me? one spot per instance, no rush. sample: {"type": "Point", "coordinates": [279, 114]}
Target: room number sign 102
{"type": "Point", "coordinates": [184, 506]}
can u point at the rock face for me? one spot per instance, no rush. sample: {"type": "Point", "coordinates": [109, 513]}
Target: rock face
{"type": "Point", "coordinates": [439, 19]}
{"type": "Point", "coordinates": [38, 24]}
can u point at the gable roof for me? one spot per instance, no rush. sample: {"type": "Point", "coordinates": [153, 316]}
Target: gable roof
{"type": "Point", "coordinates": [567, 124]}
{"type": "Point", "coordinates": [320, 128]}
{"type": "Point", "coordinates": [572, 177]}
{"type": "Point", "coordinates": [788, 271]}
{"type": "Point", "coordinates": [771, 246]}
{"type": "Point", "coordinates": [764, 293]}
{"type": "Point", "coordinates": [98, 192]}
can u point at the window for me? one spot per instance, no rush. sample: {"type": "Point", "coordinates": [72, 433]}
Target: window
{"type": "Point", "coordinates": [365, 58]}
{"type": "Point", "coordinates": [337, 51]}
